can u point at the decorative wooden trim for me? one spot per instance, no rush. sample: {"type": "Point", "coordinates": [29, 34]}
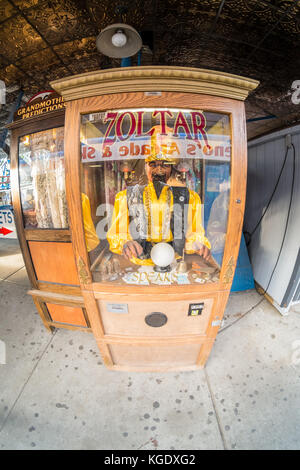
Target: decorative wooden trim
{"type": "Point", "coordinates": [69, 326]}
{"type": "Point", "coordinates": [150, 78]}
{"type": "Point", "coordinates": [86, 317]}
{"type": "Point", "coordinates": [147, 295]}
{"type": "Point", "coordinates": [44, 314]}
{"type": "Point", "coordinates": [172, 291]}
{"type": "Point", "coordinates": [38, 123]}
{"type": "Point", "coordinates": [229, 273]}
{"type": "Point", "coordinates": [97, 326]}
{"type": "Point", "coordinates": [162, 341]}
{"type": "Point", "coordinates": [60, 299]}
{"type": "Point", "coordinates": [64, 289]}
{"type": "Point", "coordinates": [155, 369]}
{"type": "Point", "coordinates": [237, 194]}
{"type": "Point", "coordinates": [48, 235]}
{"type": "Point", "coordinates": [83, 273]}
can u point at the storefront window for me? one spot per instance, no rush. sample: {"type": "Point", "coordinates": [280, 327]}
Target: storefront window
{"type": "Point", "coordinates": [42, 179]}
{"type": "Point", "coordinates": [155, 194]}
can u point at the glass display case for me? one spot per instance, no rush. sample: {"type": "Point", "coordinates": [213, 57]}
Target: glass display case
{"type": "Point", "coordinates": [131, 229]}
{"type": "Point", "coordinates": [42, 179]}
{"type": "Point", "coordinates": [144, 183]}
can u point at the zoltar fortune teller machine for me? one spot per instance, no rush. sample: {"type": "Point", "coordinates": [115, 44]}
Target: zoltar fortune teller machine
{"type": "Point", "coordinates": [136, 235]}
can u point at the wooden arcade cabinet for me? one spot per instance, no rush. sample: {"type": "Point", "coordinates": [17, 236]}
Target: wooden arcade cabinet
{"type": "Point", "coordinates": [129, 200]}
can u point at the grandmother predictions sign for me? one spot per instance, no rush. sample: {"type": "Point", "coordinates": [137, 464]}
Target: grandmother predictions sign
{"type": "Point", "coordinates": [123, 135]}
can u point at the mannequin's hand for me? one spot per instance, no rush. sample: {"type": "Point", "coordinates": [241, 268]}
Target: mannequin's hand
{"type": "Point", "coordinates": [202, 250]}
{"type": "Point", "coordinates": [132, 249]}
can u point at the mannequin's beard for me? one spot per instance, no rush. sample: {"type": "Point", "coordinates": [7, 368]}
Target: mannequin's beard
{"type": "Point", "coordinates": [159, 178]}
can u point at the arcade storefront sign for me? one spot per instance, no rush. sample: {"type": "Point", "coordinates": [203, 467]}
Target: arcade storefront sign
{"type": "Point", "coordinates": [133, 134]}
{"type": "Point", "coordinates": [41, 103]}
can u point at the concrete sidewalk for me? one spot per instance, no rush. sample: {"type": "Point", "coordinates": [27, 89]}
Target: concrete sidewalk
{"type": "Point", "coordinates": [55, 392]}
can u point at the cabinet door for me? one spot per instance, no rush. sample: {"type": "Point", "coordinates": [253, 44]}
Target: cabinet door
{"type": "Point", "coordinates": [42, 180]}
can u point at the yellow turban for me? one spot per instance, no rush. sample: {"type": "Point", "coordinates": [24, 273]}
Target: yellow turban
{"type": "Point", "coordinates": [157, 151]}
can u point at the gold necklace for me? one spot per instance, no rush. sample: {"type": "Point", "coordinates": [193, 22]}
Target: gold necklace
{"type": "Point", "coordinates": [166, 219]}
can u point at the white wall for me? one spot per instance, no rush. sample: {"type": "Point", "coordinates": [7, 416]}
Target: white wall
{"type": "Point", "coordinates": [265, 158]}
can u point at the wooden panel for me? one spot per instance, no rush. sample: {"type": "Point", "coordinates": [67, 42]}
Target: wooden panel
{"type": "Point", "coordinates": [62, 299]}
{"type": "Point", "coordinates": [54, 262]}
{"type": "Point", "coordinates": [63, 314]}
{"type": "Point", "coordinates": [59, 288]}
{"type": "Point", "coordinates": [133, 323]}
{"type": "Point", "coordinates": [48, 235]}
{"type": "Point", "coordinates": [154, 356]}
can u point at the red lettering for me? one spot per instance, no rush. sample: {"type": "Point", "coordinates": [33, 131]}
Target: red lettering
{"type": "Point", "coordinates": [106, 152]}
{"type": "Point", "coordinates": [123, 151]}
{"type": "Point", "coordinates": [191, 149]}
{"type": "Point", "coordinates": [132, 126]}
{"type": "Point", "coordinates": [163, 121]}
{"type": "Point", "coordinates": [146, 150]}
{"type": "Point", "coordinates": [139, 127]}
{"type": "Point", "coordinates": [219, 151]}
{"type": "Point", "coordinates": [181, 122]}
{"type": "Point", "coordinates": [87, 152]}
{"type": "Point", "coordinates": [227, 151]}
{"type": "Point", "coordinates": [134, 149]}
{"type": "Point", "coordinates": [199, 126]}
{"type": "Point", "coordinates": [112, 117]}
{"type": "Point", "coordinates": [91, 153]}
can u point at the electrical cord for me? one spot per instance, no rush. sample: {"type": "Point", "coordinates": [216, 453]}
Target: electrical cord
{"type": "Point", "coordinates": [284, 235]}
{"type": "Point", "coordinates": [247, 234]}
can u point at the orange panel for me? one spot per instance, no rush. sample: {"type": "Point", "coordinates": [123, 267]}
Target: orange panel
{"type": "Point", "coordinates": [54, 262]}
{"type": "Point", "coordinates": [63, 314]}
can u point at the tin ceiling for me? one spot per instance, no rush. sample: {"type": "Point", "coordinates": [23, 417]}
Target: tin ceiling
{"type": "Point", "coordinates": [41, 40]}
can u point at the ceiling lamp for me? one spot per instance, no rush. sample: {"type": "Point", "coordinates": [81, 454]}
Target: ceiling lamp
{"type": "Point", "coordinates": [119, 40]}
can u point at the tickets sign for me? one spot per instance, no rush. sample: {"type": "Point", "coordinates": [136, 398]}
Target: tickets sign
{"type": "Point", "coordinates": [7, 224]}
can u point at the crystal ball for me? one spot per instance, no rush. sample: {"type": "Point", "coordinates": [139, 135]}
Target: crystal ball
{"type": "Point", "coordinates": [162, 254]}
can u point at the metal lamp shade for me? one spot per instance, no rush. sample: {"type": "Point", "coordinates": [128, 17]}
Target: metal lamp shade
{"type": "Point", "coordinates": [105, 46]}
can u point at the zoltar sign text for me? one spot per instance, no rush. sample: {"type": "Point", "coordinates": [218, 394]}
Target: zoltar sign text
{"type": "Point", "coordinates": [137, 134]}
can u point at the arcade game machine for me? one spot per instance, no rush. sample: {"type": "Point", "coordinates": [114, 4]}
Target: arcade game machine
{"type": "Point", "coordinates": [115, 238]}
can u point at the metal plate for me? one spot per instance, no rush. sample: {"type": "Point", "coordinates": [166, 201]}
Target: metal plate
{"type": "Point", "coordinates": [156, 319]}
{"type": "Point", "coordinates": [117, 308]}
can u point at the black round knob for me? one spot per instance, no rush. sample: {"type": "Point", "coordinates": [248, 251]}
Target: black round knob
{"type": "Point", "coordinates": [156, 319]}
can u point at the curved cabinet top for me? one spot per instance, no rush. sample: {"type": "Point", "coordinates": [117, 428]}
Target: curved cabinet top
{"type": "Point", "coordinates": [154, 78]}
